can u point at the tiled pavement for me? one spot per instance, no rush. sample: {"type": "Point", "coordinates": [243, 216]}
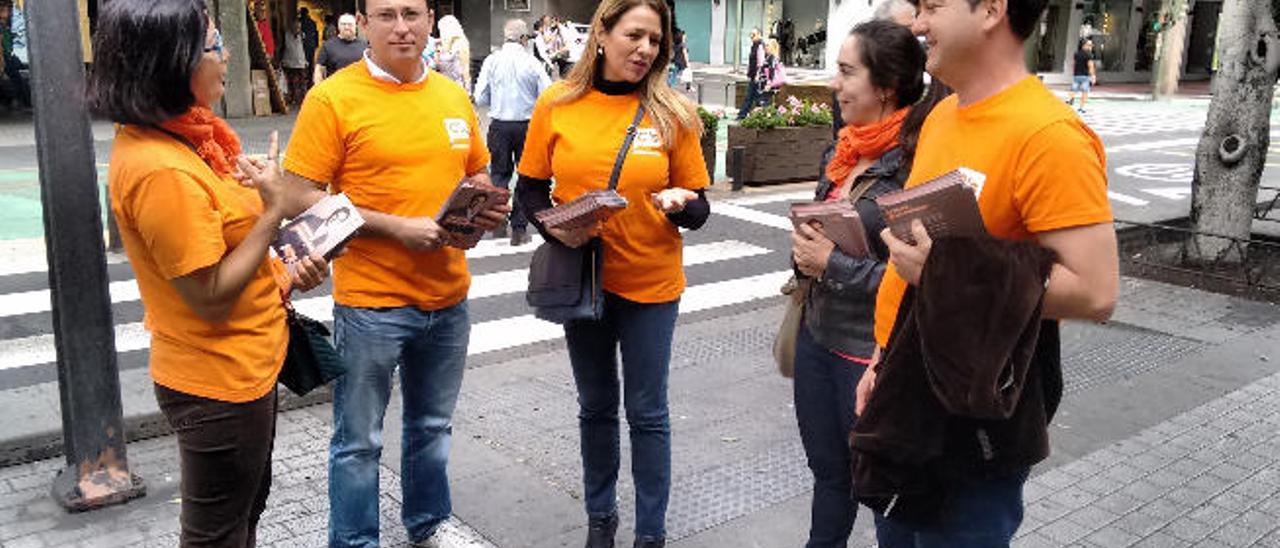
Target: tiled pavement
{"type": "Point", "coordinates": [1208, 477]}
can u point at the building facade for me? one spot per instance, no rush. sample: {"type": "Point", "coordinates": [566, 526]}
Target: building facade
{"type": "Point", "coordinates": [1126, 36]}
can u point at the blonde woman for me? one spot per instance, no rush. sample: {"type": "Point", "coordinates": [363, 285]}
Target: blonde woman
{"type": "Point", "coordinates": [577, 128]}
{"type": "Point", "coordinates": [453, 52]}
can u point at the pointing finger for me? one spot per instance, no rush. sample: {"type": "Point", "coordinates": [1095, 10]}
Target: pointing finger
{"type": "Point", "coordinates": [273, 149]}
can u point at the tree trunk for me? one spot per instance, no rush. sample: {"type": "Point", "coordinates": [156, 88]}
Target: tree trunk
{"type": "Point", "coordinates": [1236, 138]}
{"type": "Point", "coordinates": [1173, 40]}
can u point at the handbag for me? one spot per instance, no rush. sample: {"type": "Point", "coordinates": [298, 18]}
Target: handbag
{"type": "Point", "coordinates": [311, 361]}
{"type": "Point", "coordinates": [564, 282]}
{"type": "Point", "coordinates": [784, 343]}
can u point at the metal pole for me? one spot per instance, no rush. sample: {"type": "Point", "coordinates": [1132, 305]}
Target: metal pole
{"type": "Point", "coordinates": [736, 159]}
{"type": "Point", "coordinates": [97, 472]}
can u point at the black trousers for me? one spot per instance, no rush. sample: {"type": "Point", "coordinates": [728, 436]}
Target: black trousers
{"type": "Point", "coordinates": [225, 451]}
{"type": "Point", "coordinates": [506, 142]}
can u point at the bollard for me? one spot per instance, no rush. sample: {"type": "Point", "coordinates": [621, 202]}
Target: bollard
{"type": "Point", "coordinates": [736, 157]}
{"type": "Point", "coordinates": [97, 470]}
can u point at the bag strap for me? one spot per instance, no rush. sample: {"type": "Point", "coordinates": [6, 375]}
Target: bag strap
{"type": "Point", "coordinates": [626, 145]}
{"type": "Point", "coordinates": [856, 192]}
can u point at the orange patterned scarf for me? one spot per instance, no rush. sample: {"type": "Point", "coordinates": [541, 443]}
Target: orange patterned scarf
{"type": "Point", "coordinates": [869, 141]}
{"type": "Point", "coordinates": [215, 142]}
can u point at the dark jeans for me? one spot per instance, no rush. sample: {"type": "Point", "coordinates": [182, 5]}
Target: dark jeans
{"type": "Point", "coordinates": [506, 141]}
{"type": "Point", "coordinates": [824, 392]}
{"type": "Point", "coordinates": [225, 452]}
{"type": "Point", "coordinates": [21, 88]}
{"type": "Point", "coordinates": [984, 514]}
{"type": "Point", "coordinates": [643, 334]}
{"type": "Point", "coordinates": [752, 100]}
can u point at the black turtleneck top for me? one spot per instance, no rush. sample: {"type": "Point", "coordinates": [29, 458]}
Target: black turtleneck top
{"type": "Point", "coordinates": [534, 195]}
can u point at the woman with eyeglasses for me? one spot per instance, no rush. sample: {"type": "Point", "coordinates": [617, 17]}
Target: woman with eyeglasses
{"type": "Point", "coordinates": [196, 230]}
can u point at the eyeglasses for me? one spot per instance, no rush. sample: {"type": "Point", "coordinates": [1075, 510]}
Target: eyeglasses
{"type": "Point", "coordinates": [217, 43]}
{"type": "Point", "coordinates": [388, 17]}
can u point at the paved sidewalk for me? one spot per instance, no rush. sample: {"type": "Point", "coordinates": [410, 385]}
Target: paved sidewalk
{"type": "Point", "coordinates": [1167, 436]}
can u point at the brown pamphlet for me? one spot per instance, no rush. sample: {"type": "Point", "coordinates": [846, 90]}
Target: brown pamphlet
{"type": "Point", "coordinates": [585, 210]}
{"type": "Point", "coordinates": [323, 228]}
{"type": "Point", "coordinates": [458, 214]}
{"type": "Point", "coordinates": [839, 221]}
{"type": "Point", "coordinates": [947, 205]}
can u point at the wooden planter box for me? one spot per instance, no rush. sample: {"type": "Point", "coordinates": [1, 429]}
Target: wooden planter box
{"type": "Point", "coordinates": [781, 154]}
{"type": "Point", "coordinates": [708, 143]}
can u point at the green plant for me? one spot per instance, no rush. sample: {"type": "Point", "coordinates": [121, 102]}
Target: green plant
{"type": "Point", "coordinates": [795, 113]}
{"type": "Point", "coordinates": [710, 122]}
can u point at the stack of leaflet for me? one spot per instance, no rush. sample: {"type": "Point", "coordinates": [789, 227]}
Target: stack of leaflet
{"type": "Point", "coordinates": [586, 210]}
{"type": "Point", "coordinates": [838, 220]}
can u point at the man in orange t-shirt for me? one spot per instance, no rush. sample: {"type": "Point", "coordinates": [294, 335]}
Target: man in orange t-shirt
{"type": "Point", "coordinates": [396, 138]}
{"type": "Point", "coordinates": [1045, 181]}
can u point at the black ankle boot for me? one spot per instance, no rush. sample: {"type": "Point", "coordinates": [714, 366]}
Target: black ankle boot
{"type": "Point", "coordinates": [600, 531]}
{"type": "Point", "coordinates": [649, 543]}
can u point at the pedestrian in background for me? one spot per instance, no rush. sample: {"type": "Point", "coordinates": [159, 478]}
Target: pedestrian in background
{"type": "Point", "coordinates": [577, 129]}
{"type": "Point", "coordinates": [755, 59]}
{"type": "Point", "coordinates": [1083, 72]}
{"type": "Point", "coordinates": [679, 58]}
{"type": "Point", "coordinates": [878, 85]}
{"type": "Point", "coordinates": [340, 51]}
{"type": "Point", "coordinates": [310, 36]}
{"type": "Point", "coordinates": [396, 138]}
{"type": "Point", "coordinates": [453, 52]}
{"type": "Point", "coordinates": [293, 58]}
{"type": "Point", "coordinates": [1045, 185]}
{"type": "Point", "coordinates": [773, 75]}
{"type": "Point", "coordinates": [197, 239]}
{"type": "Point", "coordinates": [510, 82]}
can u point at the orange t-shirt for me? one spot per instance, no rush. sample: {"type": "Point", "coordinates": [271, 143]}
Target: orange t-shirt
{"type": "Point", "coordinates": [1046, 170]}
{"type": "Point", "coordinates": [398, 149]}
{"type": "Point", "coordinates": [177, 216]}
{"type": "Point", "coordinates": [576, 143]}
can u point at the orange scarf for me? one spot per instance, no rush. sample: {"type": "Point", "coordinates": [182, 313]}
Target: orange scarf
{"type": "Point", "coordinates": [869, 141]}
{"type": "Point", "coordinates": [214, 141]}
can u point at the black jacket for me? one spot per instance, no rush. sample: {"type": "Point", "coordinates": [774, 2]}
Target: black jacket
{"type": "Point", "coordinates": [839, 310]}
{"type": "Point", "coordinates": [968, 383]}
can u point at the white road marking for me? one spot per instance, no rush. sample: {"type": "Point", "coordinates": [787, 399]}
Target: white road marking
{"type": "Point", "coordinates": [484, 285]}
{"type": "Point", "coordinates": [754, 216]}
{"type": "Point", "coordinates": [486, 336]}
{"type": "Point", "coordinates": [761, 199]}
{"type": "Point", "coordinates": [1125, 198]}
{"type": "Point", "coordinates": [1169, 192]}
{"type": "Point", "coordinates": [505, 333]}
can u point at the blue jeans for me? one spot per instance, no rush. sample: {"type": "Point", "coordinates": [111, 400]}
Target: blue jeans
{"type": "Point", "coordinates": [984, 514]}
{"type": "Point", "coordinates": [824, 396]}
{"type": "Point", "coordinates": [430, 348]}
{"type": "Point", "coordinates": [643, 334]}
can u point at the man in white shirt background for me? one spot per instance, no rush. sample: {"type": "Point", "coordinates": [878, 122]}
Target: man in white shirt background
{"type": "Point", "coordinates": [511, 79]}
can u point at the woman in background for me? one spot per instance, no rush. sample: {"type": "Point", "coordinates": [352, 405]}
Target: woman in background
{"type": "Point", "coordinates": [453, 52]}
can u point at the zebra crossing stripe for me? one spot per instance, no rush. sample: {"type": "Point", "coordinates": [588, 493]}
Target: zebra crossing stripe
{"type": "Point", "coordinates": [484, 285]}
{"type": "Point", "coordinates": [505, 333]}
{"type": "Point", "coordinates": [486, 336]}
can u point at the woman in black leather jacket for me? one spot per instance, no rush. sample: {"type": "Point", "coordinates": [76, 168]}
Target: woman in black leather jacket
{"type": "Point", "coordinates": [882, 100]}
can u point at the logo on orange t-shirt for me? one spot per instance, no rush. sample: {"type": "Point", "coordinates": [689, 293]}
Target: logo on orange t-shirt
{"type": "Point", "coordinates": [459, 132]}
{"type": "Point", "coordinates": [647, 142]}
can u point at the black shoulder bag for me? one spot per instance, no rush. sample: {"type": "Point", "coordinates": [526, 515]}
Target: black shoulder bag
{"type": "Point", "coordinates": [564, 282]}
